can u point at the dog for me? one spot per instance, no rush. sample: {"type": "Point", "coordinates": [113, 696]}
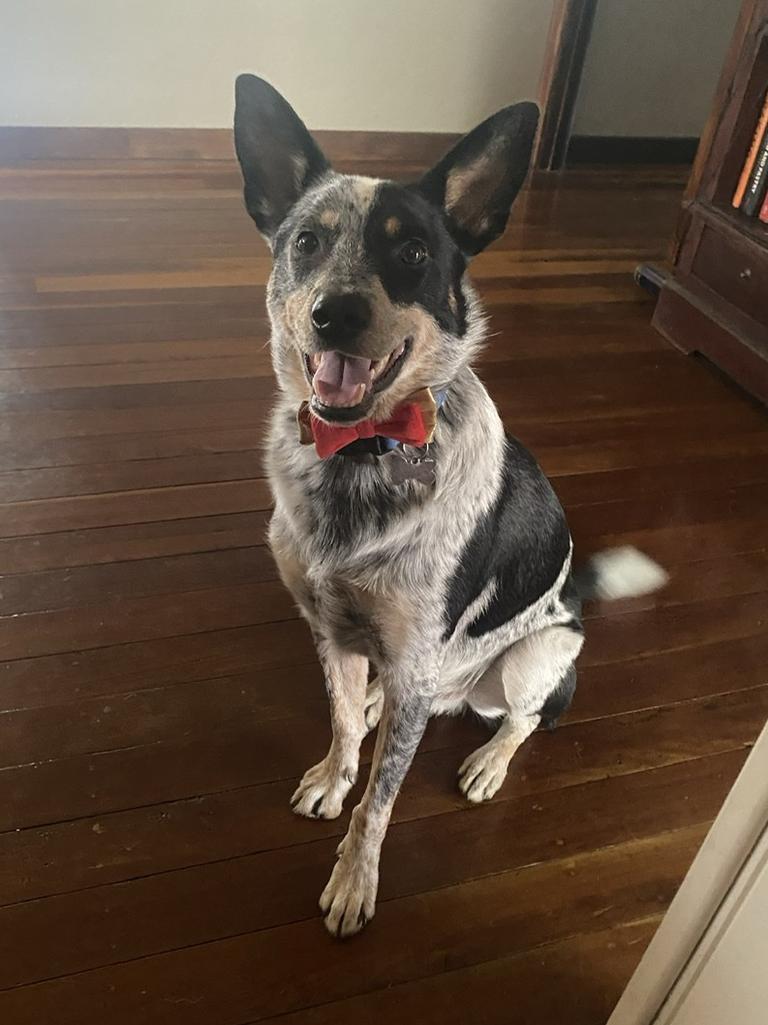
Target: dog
{"type": "Point", "coordinates": [415, 536]}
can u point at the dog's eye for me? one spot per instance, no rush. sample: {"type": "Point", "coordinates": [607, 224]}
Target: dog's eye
{"type": "Point", "coordinates": [306, 243]}
{"type": "Point", "coordinates": [413, 252]}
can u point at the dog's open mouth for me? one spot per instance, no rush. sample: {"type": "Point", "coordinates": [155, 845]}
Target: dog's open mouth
{"type": "Point", "coordinates": [343, 385]}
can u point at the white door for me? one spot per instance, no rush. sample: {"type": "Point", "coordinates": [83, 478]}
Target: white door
{"type": "Point", "coordinates": [708, 962]}
{"type": "Point", "coordinates": [728, 983]}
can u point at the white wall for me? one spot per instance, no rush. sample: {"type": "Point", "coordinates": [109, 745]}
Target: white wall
{"type": "Point", "coordinates": [421, 65]}
{"type": "Point", "coordinates": [652, 66]}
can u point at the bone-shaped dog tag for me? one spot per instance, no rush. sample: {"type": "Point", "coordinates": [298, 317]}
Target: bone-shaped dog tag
{"type": "Point", "coordinates": [407, 463]}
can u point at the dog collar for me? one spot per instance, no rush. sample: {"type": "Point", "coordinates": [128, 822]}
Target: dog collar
{"type": "Point", "coordinates": [428, 403]}
{"type": "Point", "coordinates": [379, 445]}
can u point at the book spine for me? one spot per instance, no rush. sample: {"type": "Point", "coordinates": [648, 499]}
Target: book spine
{"type": "Point", "coordinates": [746, 170]}
{"type": "Point", "coordinates": [764, 210]}
{"type": "Point", "coordinates": [753, 195]}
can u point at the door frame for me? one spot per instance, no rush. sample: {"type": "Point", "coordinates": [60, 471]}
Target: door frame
{"type": "Point", "coordinates": [570, 29]}
{"type": "Point", "coordinates": [715, 886]}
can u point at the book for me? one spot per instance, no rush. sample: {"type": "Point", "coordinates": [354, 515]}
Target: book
{"type": "Point", "coordinates": [758, 179]}
{"type": "Point", "coordinates": [746, 170]}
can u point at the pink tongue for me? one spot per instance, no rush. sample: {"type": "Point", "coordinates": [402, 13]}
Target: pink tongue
{"type": "Point", "coordinates": [337, 379]}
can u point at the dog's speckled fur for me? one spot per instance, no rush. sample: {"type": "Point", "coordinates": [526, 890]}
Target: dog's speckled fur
{"type": "Point", "coordinates": [458, 594]}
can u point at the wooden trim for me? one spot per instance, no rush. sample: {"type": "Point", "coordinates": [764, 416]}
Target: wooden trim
{"type": "Point", "coordinates": [717, 137]}
{"type": "Point", "coordinates": [748, 16]}
{"type": "Point", "coordinates": [682, 316]}
{"type": "Point", "coordinates": [728, 846]}
{"type": "Point", "coordinates": [22, 144]}
{"type": "Point", "coordinates": [746, 890]}
{"type": "Point", "coordinates": [569, 33]}
{"type": "Point", "coordinates": [630, 149]}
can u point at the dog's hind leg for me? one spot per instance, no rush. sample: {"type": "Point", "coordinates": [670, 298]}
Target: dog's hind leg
{"type": "Point", "coordinates": [322, 790]}
{"type": "Point", "coordinates": [532, 682]}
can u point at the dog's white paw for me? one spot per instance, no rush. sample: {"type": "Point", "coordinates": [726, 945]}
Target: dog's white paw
{"type": "Point", "coordinates": [322, 790]}
{"type": "Point", "coordinates": [374, 703]}
{"type": "Point", "coordinates": [349, 900]}
{"type": "Point", "coordinates": [481, 775]}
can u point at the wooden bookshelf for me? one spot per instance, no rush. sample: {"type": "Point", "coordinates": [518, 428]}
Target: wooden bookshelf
{"type": "Point", "coordinates": [715, 301]}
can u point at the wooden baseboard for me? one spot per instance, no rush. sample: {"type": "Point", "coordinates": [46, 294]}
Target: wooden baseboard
{"type": "Point", "coordinates": [21, 145]}
{"type": "Point", "coordinates": [626, 149]}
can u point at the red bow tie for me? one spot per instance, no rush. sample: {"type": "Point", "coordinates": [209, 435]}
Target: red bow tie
{"type": "Point", "coordinates": [412, 423]}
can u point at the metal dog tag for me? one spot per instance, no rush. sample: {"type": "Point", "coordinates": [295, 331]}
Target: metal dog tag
{"type": "Point", "coordinates": [408, 463]}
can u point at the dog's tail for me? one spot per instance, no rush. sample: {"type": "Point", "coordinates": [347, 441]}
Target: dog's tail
{"type": "Point", "coordinates": [618, 573]}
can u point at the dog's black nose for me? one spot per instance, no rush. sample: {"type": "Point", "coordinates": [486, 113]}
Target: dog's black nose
{"type": "Point", "coordinates": [341, 318]}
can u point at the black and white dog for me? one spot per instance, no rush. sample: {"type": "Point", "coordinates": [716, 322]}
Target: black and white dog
{"type": "Point", "coordinates": [413, 533]}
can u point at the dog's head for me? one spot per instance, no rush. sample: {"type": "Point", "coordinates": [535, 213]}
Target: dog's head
{"type": "Point", "coordinates": [367, 296]}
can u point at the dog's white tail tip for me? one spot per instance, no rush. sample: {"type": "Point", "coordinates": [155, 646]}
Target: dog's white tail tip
{"type": "Point", "coordinates": [625, 573]}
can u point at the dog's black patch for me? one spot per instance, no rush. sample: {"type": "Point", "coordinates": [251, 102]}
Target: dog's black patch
{"type": "Point", "coordinates": [558, 700]}
{"type": "Point", "coordinates": [522, 542]}
{"type": "Point", "coordinates": [435, 284]}
{"type": "Point", "coordinates": [585, 579]}
{"type": "Point", "coordinates": [570, 596]}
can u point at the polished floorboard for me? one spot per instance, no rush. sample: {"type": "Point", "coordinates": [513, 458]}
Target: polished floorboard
{"type": "Point", "coordinates": [160, 698]}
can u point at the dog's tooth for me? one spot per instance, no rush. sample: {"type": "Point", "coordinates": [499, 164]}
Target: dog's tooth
{"type": "Point", "coordinates": [359, 394]}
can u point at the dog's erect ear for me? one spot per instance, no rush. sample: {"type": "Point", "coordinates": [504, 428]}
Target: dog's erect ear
{"type": "Point", "coordinates": [278, 156]}
{"type": "Point", "coordinates": [478, 180]}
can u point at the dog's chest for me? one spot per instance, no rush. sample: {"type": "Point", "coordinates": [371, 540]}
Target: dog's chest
{"type": "Point", "coordinates": [375, 622]}
{"type": "Point", "coordinates": [351, 505]}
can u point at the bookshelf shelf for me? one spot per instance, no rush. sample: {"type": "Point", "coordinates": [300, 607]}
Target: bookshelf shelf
{"type": "Point", "coordinates": [741, 125]}
{"type": "Point", "coordinates": [734, 222]}
{"type": "Point", "coordinates": [715, 301]}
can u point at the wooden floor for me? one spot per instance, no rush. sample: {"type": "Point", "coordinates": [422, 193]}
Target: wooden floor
{"type": "Point", "coordinates": [161, 699]}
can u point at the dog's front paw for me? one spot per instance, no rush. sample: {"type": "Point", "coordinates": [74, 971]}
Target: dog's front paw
{"type": "Point", "coordinates": [322, 790]}
{"type": "Point", "coordinates": [349, 900]}
{"type": "Point", "coordinates": [481, 775]}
